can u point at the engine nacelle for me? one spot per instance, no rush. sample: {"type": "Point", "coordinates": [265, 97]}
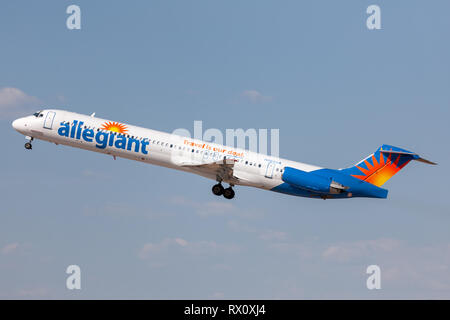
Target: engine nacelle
{"type": "Point", "coordinates": [310, 181]}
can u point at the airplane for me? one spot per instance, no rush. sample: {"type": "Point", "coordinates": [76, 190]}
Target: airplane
{"type": "Point", "coordinates": [223, 164]}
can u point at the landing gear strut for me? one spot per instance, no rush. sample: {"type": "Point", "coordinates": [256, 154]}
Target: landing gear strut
{"type": "Point", "coordinates": [28, 145]}
{"type": "Point", "coordinates": [219, 190]}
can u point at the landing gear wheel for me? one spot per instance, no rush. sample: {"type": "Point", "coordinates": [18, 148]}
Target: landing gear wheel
{"type": "Point", "coordinates": [228, 193]}
{"type": "Point", "coordinates": [28, 146]}
{"type": "Point", "coordinates": [217, 189]}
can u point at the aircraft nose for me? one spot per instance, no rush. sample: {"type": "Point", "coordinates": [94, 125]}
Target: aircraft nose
{"type": "Point", "coordinates": [15, 124]}
{"type": "Point", "coordinates": [18, 124]}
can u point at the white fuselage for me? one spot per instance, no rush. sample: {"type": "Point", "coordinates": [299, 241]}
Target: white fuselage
{"type": "Point", "coordinates": [154, 147]}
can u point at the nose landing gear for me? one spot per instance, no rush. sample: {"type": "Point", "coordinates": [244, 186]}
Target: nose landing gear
{"type": "Point", "coordinates": [219, 190]}
{"type": "Point", "coordinates": [28, 145]}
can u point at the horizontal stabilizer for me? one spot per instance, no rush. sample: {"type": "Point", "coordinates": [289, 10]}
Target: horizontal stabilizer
{"type": "Point", "coordinates": [414, 156]}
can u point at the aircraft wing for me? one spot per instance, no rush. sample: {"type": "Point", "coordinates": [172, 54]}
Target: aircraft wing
{"type": "Point", "coordinates": [222, 169]}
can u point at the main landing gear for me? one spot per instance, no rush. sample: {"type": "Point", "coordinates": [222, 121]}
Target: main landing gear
{"type": "Point", "coordinates": [219, 190]}
{"type": "Point", "coordinates": [28, 145]}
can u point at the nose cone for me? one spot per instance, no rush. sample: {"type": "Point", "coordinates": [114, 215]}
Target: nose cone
{"type": "Point", "coordinates": [15, 124]}
{"type": "Point", "coordinates": [19, 124]}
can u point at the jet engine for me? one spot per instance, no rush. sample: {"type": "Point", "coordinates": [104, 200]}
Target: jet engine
{"type": "Point", "coordinates": [311, 181]}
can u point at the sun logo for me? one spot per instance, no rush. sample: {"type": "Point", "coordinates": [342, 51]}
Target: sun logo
{"type": "Point", "coordinates": [114, 127]}
{"type": "Point", "coordinates": [379, 171]}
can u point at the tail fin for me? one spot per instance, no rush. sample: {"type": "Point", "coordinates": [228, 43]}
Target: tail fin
{"type": "Point", "coordinates": [382, 165]}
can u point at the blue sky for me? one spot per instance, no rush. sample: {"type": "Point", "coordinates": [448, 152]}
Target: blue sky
{"type": "Point", "coordinates": [336, 90]}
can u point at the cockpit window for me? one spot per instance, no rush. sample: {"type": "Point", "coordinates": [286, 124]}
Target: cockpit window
{"type": "Point", "coordinates": [38, 114]}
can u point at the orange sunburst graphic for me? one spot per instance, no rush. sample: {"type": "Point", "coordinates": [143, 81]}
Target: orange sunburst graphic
{"type": "Point", "coordinates": [115, 127]}
{"type": "Point", "coordinates": [381, 170]}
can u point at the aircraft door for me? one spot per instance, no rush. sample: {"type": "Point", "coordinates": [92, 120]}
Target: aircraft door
{"type": "Point", "coordinates": [269, 169]}
{"type": "Point", "coordinates": [48, 123]}
{"type": "Point", "coordinates": [205, 155]}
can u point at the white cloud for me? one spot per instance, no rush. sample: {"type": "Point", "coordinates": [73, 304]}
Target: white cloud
{"type": "Point", "coordinates": [403, 265]}
{"type": "Point", "coordinates": [273, 235]}
{"type": "Point", "coordinates": [255, 96]}
{"type": "Point", "coordinates": [407, 270]}
{"type": "Point", "coordinates": [9, 248]}
{"type": "Point", "coordinates": [60, 98]}
{"type": "Point", "coordinates": [26, 293]}
{"type": "Point", "coordinates": [211, 208]}
{"type": "Point", "coordinates": [212, 248]}
{"type": "Point", "coordinates": [181, 242]}
{"type": "Point", "coordinates": [14, 102]}
{"type": "Point", "coordinates": [157, 250]}
{"type": "Point", "coordinates": [262, 234]}
{"type": "Point", "coordinates": [305, 251]}
{"type": "Point", "coordinates": [121, 210]}
{"type": "Point", "coordinates": [345, 252]}
{"type": "Point", "coordinates": [34, 293]}
{"type": "Point", "coordinates": [151, 248]}
{"type": "Point", "coordinates": [237, 226]}
{"type": "Point", "coordinates": [215, 208]}
{"type": "Point", "coordinates": [218, 295]}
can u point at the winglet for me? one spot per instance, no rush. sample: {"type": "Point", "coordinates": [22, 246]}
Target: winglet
{"type": "Point", "coordinates": [93, 114]}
